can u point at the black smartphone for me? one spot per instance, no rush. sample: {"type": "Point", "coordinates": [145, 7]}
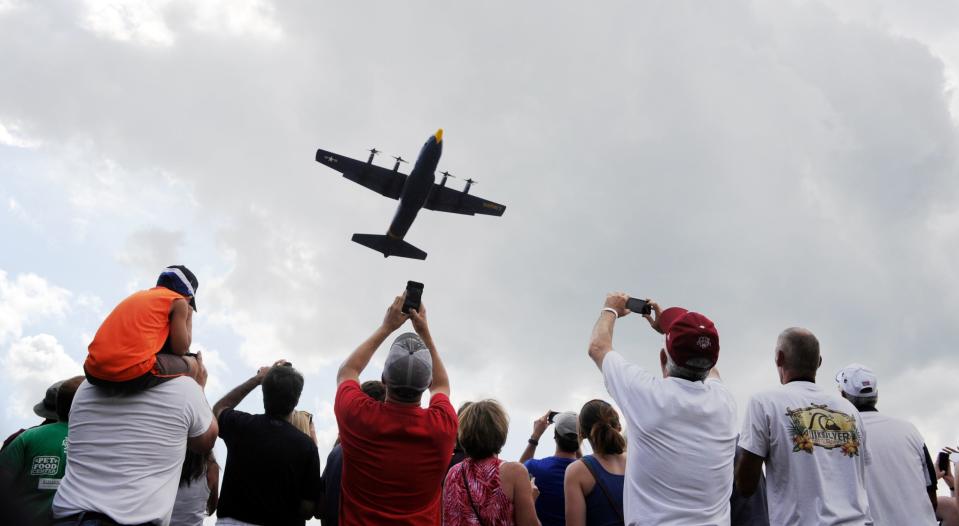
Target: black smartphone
{"type": "Point", "coordinates": [414, 294]}
{"type": "Point", "coordinates": [552, 415]}
{"type": "Point", "coordinates": [942, 461]}
{"type": "Point", "coordinates": [639, 306]}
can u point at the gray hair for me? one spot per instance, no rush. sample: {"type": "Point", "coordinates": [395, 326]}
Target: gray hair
{"type": "Point", "coordinates": [800, 350]}
{"type": "Point", "coordinates": [686, 373]}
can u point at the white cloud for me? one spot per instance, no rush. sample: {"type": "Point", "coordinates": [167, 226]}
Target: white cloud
{"type": "Point", "coordinates": [29, 366]}
{"type": "Point", "coordinates": [254, 18]}
{"type": "Point", "coordinates": [770, 164]}
{"type": "Point", "coordinates": [148, 22]}
{"type": "Point", "coordinates": [12, 135]}
{"type": "Point", "coordinates": [26, 299]}
{"type": "Point", "coordinates": [139, 21]}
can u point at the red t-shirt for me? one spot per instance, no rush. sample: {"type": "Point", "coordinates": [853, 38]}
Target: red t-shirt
{"type": "Point", "coordinates": [394, 458]}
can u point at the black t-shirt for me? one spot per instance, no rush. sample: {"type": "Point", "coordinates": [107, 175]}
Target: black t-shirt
{"type": "Point", "coordinates": [271, 467]}
{"type": "Point", "coordinates": [332, 474]}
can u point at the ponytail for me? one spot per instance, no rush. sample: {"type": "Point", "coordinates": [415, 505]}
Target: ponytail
{"type": "Point", "coordinates": [599, 422]}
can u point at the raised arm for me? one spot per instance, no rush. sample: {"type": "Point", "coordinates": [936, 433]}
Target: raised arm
{"type": "Point", "coordinates": [539, 427]}
{"type": "Point", "coordinates": [181, 327]}
{"type": "Point", "coordinates": [601, 341]}
{"type": "Point", "coordinates": [234, 397]}
{"type": "Point", "coordinates": [441, 380]}
{"type": "Point", "coordinates": [360, 358]}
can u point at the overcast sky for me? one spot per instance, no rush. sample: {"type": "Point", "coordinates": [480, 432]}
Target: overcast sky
{"type": "Point", "coordinates": [767, 164]}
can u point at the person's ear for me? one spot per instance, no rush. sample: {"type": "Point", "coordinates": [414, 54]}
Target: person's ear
{"type": "Point", "coordinates": [818, 365]}
{"type": "Point", "coordinates": [662, 358]}
{"type": "Point", "coordinates": [780, 358]}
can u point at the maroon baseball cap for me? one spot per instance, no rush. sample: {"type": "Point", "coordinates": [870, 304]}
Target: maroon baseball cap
{"type": "Point", "coordinates": [692, 340]}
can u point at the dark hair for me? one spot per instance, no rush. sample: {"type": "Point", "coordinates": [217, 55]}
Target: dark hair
{"type": "Point", "coordinates": [483, 429]}
{"type": "Point", "coordinates": [374, 389]}
{"type": "Point", "coordinates": [194, 465]}
{"type": "Point", "coordinates": [567, 443]}
{"type": "Point", "coordinates": [65, 397]}
{"type": "Point", "coordinates": [282, 386]}
{"type": "Point", "coordinates": [599, 422]}
{"type": "Point", "coordinates": [405, 394]}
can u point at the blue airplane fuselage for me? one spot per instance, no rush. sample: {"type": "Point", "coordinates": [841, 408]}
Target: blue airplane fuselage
{"type": "Point", "coordinates": [418, 186]}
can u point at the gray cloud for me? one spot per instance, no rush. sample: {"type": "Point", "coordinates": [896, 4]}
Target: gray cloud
{"type": "Point", "coordinates": [767, 165]}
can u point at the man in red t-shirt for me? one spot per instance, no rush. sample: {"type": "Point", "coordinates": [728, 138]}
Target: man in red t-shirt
{"type": "Point", "coordinates": [395, 452]}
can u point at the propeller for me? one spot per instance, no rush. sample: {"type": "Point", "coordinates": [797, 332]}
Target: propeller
{"type": "Point", "coordinates": [446, 175]}
{"type": "Point", "coordinates": [373, 152]}
{"type": "Point", "coordinates": [400, 159]}
{"type": "Point", "coordinates": [469, 183]}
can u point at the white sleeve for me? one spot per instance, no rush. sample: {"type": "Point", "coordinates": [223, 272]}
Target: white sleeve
{"type": "Point", "coordinates": [863, 447]}
{"type": "Point", "coordinates": [624, 380]}
{"type": "Point", "coordinates": [198, 412]}
{"type": "Point", "coordinates": [755, 434]}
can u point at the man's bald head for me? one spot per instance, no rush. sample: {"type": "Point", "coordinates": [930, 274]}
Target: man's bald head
{"type": "Point", "coordinates": [800, 352]}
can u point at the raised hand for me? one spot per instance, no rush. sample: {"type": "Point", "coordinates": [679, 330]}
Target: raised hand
{"type": "Point", "coordinates": [617, 302]}
{"type": "Point", "coordinates": [394, 317]}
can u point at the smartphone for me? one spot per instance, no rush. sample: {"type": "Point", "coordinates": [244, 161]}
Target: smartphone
{"type": "Point", "coordinates": [414, 294]}
{"type": "Point", "coordinates": [552, 415]}
{"type": "Point", "coordinates": [942, 461]}
{"type": "Point", "coordinates": [639, 306]}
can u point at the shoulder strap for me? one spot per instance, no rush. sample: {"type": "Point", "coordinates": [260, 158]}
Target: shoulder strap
{"type": "Point", "coordinates": [604, 489]}
{"type": "Point", "coordinates": [469, 495]}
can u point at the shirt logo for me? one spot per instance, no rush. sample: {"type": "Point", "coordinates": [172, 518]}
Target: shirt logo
{"type": "Point", "coordinates": [45, 465]}
{"type": "Point", "coordinates": [817, 425]}
{"type": "Point", "coordinates": [703, 342]}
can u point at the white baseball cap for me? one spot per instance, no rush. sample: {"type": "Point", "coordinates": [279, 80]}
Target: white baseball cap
{"type": "Point", "coordinates": [858, 380]}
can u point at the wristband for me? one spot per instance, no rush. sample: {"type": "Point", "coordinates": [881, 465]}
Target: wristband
{"type": "Point", "coordinates": [610, 309]}
{"type": "Point", "coordinates": [533, 441]}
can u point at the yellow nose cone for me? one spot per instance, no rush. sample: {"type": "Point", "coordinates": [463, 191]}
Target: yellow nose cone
{"type": "Point", "coordinates": [439, 135]}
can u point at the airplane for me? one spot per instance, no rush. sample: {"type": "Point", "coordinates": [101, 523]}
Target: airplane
{"type": "Point", "coordinates": [415, 191]}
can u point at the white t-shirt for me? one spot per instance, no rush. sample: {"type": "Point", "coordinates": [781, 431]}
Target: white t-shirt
{"type": "Point", "coordinates": [126, 451]}
{"type": "Point", "coordinates": [814, 445]}
{"type": "Point", "coordinates": [681, 443]}
{"type": "Point", "coordinates": [189, 508]}
{"type": "Point", "coordinates": [899, 475]}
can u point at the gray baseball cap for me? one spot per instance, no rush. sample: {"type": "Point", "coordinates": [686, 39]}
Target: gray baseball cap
{"type": "Point", "coordinates": [409, 364]}
{"type": "Point", "coordinates": [567, 423]}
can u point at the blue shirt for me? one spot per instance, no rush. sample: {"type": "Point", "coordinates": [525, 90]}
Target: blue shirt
{"type": "Point", "coordinates": [549, 473]}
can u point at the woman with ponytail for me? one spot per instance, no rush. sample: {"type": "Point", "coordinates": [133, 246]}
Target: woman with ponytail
{"type": "Point", "coordinates": [594, 485]}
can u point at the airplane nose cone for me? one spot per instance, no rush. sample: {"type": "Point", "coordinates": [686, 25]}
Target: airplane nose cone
{"type": "Point", "coordinates": [438, 136]}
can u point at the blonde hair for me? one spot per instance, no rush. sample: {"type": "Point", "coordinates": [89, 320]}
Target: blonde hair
{"type": "Point", "coordinates": [483, 428]}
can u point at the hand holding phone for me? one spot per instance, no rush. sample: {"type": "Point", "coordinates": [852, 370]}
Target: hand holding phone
{"type": "Point", "coordinates": [638, 306]}
{"type": "Point", "coordinates": [552, 415]}
{"type": "Point", "coordinates": [414, 295]}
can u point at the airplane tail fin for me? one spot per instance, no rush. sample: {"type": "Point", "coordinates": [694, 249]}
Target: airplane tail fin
{"type": "Point", "coordinates": [389, 246]}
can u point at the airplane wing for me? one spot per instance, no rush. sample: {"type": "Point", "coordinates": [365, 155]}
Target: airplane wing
{"type": "Point", "coordinates": [381, 180]}
{"type": "Point", "coordinates": [445, 199]}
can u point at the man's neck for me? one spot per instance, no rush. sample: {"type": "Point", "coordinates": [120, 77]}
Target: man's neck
{"type": "Point", "coordinates": [393, 401]}
{"type": "Point", "coordinates": [789, 377]}
{"type": "Point", "coordinates": [563, 454]}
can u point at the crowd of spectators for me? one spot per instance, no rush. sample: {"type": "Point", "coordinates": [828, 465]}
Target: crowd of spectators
{"type": "Point", "coordinates": [130, 443]}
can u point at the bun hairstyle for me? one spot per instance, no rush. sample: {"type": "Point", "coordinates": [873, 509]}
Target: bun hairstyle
{"type": "Point", "coordinates": [599, 423]}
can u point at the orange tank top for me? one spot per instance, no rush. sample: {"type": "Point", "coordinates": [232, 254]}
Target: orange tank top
{"type": "Point", "coordinates": [127, 342]}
